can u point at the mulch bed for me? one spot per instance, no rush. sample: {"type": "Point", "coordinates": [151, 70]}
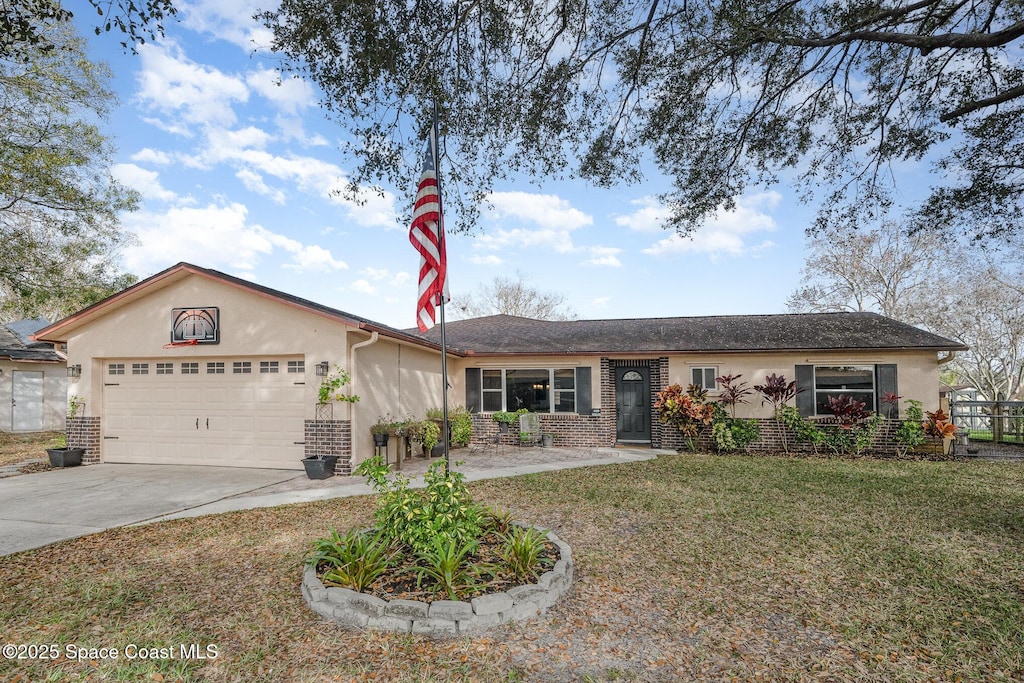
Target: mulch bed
{"type": "Point", "coordinates": [401, 583]}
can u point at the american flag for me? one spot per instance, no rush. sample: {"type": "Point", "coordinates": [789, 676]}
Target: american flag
{"type": "Point", "coordinates": [427, 234]}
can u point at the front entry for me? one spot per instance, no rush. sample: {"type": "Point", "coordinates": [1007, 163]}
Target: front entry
{"type": "Point", "coordinates": [633, 405]}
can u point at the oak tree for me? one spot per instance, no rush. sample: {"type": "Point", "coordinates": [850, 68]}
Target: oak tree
{"type": "Point", "coordinates": [721, 94]}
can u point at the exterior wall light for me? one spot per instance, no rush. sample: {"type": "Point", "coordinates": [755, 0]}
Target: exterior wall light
{"type": "Point", "coordinates": [323, 368]}
{"type": "Point", "coordinates": [74, 371]}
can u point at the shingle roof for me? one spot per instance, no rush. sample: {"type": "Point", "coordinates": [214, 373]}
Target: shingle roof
{"type": "Point", "coordinates": [504, 334]}
{"type": "Point", "coordinates": [13, 344]}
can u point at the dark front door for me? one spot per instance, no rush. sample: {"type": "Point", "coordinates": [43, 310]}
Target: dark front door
{"type": "Point", "coordinates": [633, 405]}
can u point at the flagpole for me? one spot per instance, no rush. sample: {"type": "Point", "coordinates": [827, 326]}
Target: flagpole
{"type": "Point", "coordinates": [444, 341]}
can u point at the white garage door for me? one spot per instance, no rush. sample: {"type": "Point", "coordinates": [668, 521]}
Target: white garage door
{"type": "Point", "coordinates": [245, 412]}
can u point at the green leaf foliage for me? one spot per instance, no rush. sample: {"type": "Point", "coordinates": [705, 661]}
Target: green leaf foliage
{"type": "Point", "coordinates": [59, 204]}
{"type": "Point", "coordinates": [723, 95]}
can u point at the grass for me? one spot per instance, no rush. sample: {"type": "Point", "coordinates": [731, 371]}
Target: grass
{"type": "Point", "coordinates": [688, 567]}
{"type": "Point", "coordinates": [17, 448]}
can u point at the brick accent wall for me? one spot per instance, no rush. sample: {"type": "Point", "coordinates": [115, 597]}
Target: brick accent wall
{"type": "Point", "coordinates": [330, 437]}
{"type": "Point", "coordinates": [84, 432]}
{"type": "Point", "coordinates": [570, 430]}
{"type": "Point", "coordinates": [771, 439]}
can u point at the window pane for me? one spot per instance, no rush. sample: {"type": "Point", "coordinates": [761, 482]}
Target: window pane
{"type": "Point", "coordinates": [709, 378]}
{"type": "Point", "coordinates": [492, 401]}
{"type": "Point", "coordinates": [492, 379]}
{"type": "Point", "coordinates": [846, 377]}
{"type": "Point", "coordinates": [565, 379]}
{"type": "Point", "coordinates": [565, 401]}
{"type": "Point", "coordinates": [527, 389]}
{"type": "Point", "coordinates": [696, 377]}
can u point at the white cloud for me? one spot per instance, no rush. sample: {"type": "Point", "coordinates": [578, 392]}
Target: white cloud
{"type": "Point", "coordinates": [315, 259]}
{"type": "Point", "coordinates": [728, 232]}
{"type": "Point", "coordinates": [486, 260]}
{"type": "Point", "coordinates": [145, 182]}
{"type": "Point", "coordinates": [601, 302]}
{"type": "Point", "coordinates": [190, 93]}
{"type": "Point", "coordinates": [650, 217]}
{"type": "Point", "coordinates": [604, 256]}
{"type": "Point", "coordinates": [363, 287]}
{"type": "Point", "coordinates": [546, 210]}
{"type": "Point", "coordinates": [254, 183]}
{"type": "Point", "coordinates": [219, 236]}
{"type": "Point", "coordinates": [229, 20]}
{"type": "Point", "coordinates": [151, 156]}
{"type": "Point", "coordinates": [289, 94]}
{"type": "Point", "coordinates": [399, 279]}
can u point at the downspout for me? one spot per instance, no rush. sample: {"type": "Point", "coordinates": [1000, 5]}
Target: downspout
{"type": "Point", "coordinates": [352, 365]}
{"type": "Point", "coordinates": [948, 357]}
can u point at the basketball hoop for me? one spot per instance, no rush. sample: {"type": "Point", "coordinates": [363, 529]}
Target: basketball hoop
{"type": "Point", "coordinates": [190, 342]}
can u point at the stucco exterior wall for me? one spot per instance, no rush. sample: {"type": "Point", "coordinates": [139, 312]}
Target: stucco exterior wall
{"type": "Point", "coordinates": [55, 393]}
{"type": "Point", "coordinates": [391, 379]}
{"type": "Point", "coordinates": [250, 326]}
{"type": "Point", "coordinates": [916, 375]}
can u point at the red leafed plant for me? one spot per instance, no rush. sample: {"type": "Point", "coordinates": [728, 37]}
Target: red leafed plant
{"type": "Point", "coordinates": [686, 410]}
{"type": "Point", "coordinates": [938, 425]}
{"type": "Point", "coordinates": [732, 392]}
{"type": "Point", "coordinates": [849, 411]}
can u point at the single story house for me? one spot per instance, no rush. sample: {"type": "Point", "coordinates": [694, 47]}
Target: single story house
{"type": "Point", "coordinates": [193, 366]}
{"type": "Point", "coordinates": [33, 380]}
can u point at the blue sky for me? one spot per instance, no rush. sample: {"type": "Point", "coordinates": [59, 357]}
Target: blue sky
{"type": "Point", "coordinates": [236, 174]}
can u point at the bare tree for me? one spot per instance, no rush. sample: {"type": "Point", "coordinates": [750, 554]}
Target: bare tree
{"type": "Point", "coordinates": [513, 297]}
{"type": "Point", "coordinates": [971, 296]}
{"type": "Point", "coordinates": [883, 270]}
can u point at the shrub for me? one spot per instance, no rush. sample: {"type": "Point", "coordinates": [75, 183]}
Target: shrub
{"type": "Point", "coordinates": [732, 393]}
{"type": "Point", "coordinates": [910, 433]}
{"type": "Point", "coordinates": [686, 411]}
{"type": "Point", "coordinates": [446, 561]}
{"type": "Point", "coordinates": [414, 517]}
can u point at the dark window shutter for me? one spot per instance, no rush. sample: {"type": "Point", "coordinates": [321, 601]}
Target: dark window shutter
{"type": "Point", "coordinates": [474, 397]}
{"type": "Point", "coordinates": [885, 382]}
{"type": "Point", "coordinates": [805, 382]}
{"type": "Point", "coordinates": [584, 392]}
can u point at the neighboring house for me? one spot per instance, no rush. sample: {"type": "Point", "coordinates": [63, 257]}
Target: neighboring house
{"type": "Point", "coordinates": [33, 380]}
{"type": "Point", "coordinates": [193, 366]}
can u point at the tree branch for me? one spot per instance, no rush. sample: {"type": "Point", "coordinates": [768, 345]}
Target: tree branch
{"type": "Point", "coordinates": [1005, 96]}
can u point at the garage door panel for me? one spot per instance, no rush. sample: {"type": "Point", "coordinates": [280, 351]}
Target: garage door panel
{"type": "Point", "coordinates": [250, 420]}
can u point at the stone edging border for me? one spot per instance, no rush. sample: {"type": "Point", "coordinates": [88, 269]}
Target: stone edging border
{"type": "Point", "coordinates": [441, 617]}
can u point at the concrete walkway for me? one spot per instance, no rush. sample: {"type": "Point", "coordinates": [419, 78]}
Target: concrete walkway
{"type": "Point", "coordinates": [476, 462]}
{"type": "Point", "coordinates": [45, 507]}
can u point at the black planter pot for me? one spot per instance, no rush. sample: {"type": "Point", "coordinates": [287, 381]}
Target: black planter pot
{"type": "Point", "coordinates": [503, 427]}
{"type": "Point", "coordinates": [320, 468]}
{"type": "Point", "coordinates": [65, 457]}
{"type": "Point", "coordinates": [380, 439]}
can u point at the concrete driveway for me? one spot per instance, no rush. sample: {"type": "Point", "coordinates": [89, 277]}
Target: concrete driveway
{"type": "Point", "coordinates": [38, 509]}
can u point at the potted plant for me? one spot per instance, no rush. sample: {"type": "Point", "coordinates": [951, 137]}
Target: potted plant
{"type": "Point", "coordinates": [939, 428]}
{"type": "Point", "coordinates": [322, 466]}
{"type": "Point", "coordinates": [429, 434]}
{"type": "Point", "coordinates": [64, 456]}
{"type": "Point", "coordinates": [504, 419]}
{"type": "Point", "coordinates": [381, 431]}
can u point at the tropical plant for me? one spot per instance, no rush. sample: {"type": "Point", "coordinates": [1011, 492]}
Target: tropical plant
{"type": "Point", "coordinates": [461, 421]}
{"type": "Point", "coordinates": [428, 434]}
{"type": "Point", "coordinates": [777, 391]}
{"type": "Point", "coordinates": [732, 392]}
{"type": "Point", "coordinates": [938, 426]}
{"type": "Point", "coordinates": [686, 411]}
{"type": "Point", "coordinates": [446, 561]}
{"type": "Point", "coordinates": [354, 560]}
{"type": "Point", "coordinates": [522, 552]}
{"type": "Point", "coordinates": [848, 411]}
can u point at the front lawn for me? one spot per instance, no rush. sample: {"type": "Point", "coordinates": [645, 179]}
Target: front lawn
{"type": "Point", "coordinates": [688, 567]}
